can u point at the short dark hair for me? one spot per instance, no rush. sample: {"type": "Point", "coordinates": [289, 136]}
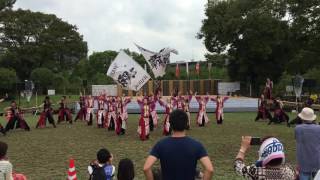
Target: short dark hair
{"type": "Point", "coordinates": [125, 170]}
{"type": "Point", "coordinates": [103, 156]}
{"type": "Point", "coordinates": [178, 120]}
{"type": "Point", "coordinates": [3, 149]}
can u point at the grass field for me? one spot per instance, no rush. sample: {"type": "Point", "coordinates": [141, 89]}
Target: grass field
{"type": "Point", "coordinates": [43, 154]}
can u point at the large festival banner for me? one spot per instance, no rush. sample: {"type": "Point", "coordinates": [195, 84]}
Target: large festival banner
{"type": "Point", "coordinates": [127, 73]}
{"type": "Point", "coordinates": [157, 61]}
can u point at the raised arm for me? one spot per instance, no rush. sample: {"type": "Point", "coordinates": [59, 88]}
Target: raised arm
{"type": "Point", "coordinates": [139, 101]}
{"type": "Point", "coordinates": [162, 103]}
{"type": "Point", "coordinates": [127, 100]}
{"type": "Point", "coordinates": [225, 98]}
{"type": "Point", "coordinates": [206, 99]}
{"type": "Point", "coordinates": [214, 99]}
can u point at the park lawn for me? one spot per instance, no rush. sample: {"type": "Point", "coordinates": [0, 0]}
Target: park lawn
{"type": "Point", "coordinates": [43, 154]}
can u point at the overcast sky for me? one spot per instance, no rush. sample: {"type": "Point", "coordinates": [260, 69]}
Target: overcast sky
{"type": "Point", "coordinates": [117, 24]}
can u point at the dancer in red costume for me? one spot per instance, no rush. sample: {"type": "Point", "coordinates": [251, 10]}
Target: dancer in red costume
{"type": "Point", "coordinates": [219, 107]}
{"type": "Point", "coordinates": [46, 114]}
{"type": "Point", "coordinates": [82, 112]}
{"type": "Point", "coordinates": [168, 109]}
{"type": "Point", "coordinates": [122, 115]}
{"type": "Point", "coordinates": [202, 117]}
{"type": "Point", "coordinates": [89, 109]}
{"type": "Point", "coordinates": [268, 89]}
{"type": "Point", "coordinates": [64, 111]}
{"type": "Point", "coordinates": [101, 112]}
{"type": "Point", "coordinates": [263, 112]}
{"type": "Point", "coordinates": [15, 118]}
{"type": "Point", "coordinates": [143, 128]}
{"type": "Point", "coordinates": [110, 122]}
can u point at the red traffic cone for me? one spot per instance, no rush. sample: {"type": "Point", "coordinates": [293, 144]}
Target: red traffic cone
{"type": "Point", "coordinates": [72, 174]}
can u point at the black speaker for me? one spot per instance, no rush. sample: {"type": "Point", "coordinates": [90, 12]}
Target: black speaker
{"type": "Point", "coordinates": [310, 83]}
{"type": "Point", "coordinates": [84, 83]}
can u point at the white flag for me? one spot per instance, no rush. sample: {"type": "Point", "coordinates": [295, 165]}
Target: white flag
{"type": "Point", "coordinates": [157, 61]}
{"type": "Point", "coordinates": [127, 73]}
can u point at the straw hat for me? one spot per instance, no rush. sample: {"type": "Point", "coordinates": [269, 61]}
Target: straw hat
{"type": "Point", "coordinates": [307, 114]}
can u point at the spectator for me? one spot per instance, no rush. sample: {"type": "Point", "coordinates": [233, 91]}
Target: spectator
{"type": "Point", "coordinates": [5, 165]}
{"type": "Point", "coordinates": [125, 170]}
{"type": "Point", "coordinates": [307, 137]}
{"type": "Point", "coordinates": [102, 168]}
{"type": "Point", "coordinates": [270, 164]}
{"type": "Point", "coordinates": [179, 153]}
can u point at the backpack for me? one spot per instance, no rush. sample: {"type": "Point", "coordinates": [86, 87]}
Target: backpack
{"type": "Point", "coordinates": [105, 172]}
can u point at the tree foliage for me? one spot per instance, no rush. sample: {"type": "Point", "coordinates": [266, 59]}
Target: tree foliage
{"type": "Point", "coordinates": [8, 79]}
{"type": "Point", "coordinates": [6, 4]}
{"type": "Point", "coordinates": [263, 38]}
{"type": "Point", "coordinates": [43, 76]}
{"type": "Point", "coordinates": [34, 40]}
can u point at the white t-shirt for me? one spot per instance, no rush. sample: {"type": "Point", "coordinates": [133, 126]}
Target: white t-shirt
{"type": "Point", "coordinates": [5, 170]}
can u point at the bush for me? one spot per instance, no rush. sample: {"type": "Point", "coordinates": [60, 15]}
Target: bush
{"type": "Point", "coordinates": [8, 79]}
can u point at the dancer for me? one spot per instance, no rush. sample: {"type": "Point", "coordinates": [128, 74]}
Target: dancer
{"type": "Point", "coordinates": [122, 115]}
{"type": "Point", "coordinates": [101, 113]}
{"type": "Point", "coordinates": [268, 89]}
{"type": "Point", "coordinates": [168, 109]}
{"type": "Point", "coordinates": [82, 112]}
{"type": "Point", "coordinates": [187, 100]}
{"type": "Point", "coordinates": [111, 123]}
{"type": "Point", "coordinates": [202, 117]}
{"type": "Point", "coordinates": [279, 115]}
{"type": "Point", "coordinates": [219, 107]}
{"type": "Point", "coordinates": [15, 118]}
{"type": "Point", "coordinates": [263, 112]}
{"type": "Point", "coordinates": [126, 101]}
{"type": "Point", "coordinates": [178, 101]}
{"type": "Point", "coordinates": [64, 111]}
{"type": "Point", "coordinates": [153, 120]}
{"type": "Point", "coordinates": [46, 114]}
{"type": "Point", "coordinates": [145, 112]}
{"type": "Point", "coordinates": [89, 110]}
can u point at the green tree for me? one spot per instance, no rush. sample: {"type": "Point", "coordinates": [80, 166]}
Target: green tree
{"type": "Point", "coordinates": [305, 26]}
{"type": "Point", "coordinates": [4, 4]}
{"type": "Point", "coordinates": [8, 79]}
{"type": "Point", "coordinates": [254, 34]}
{"type": "Point", "coordinates": [43, 76]}
{"type": "Point", "coordinates": [34, 39]}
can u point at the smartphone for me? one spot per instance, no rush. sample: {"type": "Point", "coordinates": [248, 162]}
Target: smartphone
{"type": "Point", "coordinates": [255, 141]}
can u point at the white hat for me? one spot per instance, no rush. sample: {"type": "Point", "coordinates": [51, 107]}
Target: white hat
{"type": "Point", "coordinates": [271, 149]}
{"type": "Point", "coordinates": [307, 114]}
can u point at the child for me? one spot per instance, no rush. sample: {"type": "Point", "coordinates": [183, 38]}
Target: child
{"type": "Point", "coordinates": [102, 168]}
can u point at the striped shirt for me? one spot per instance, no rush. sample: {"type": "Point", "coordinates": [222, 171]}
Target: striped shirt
{"type": "Point", "coordinates": [5, 170]}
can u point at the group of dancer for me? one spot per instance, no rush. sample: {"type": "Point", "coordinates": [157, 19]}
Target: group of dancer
{"type": "Point", "coordinates": [149, 118]}
{"type": "Point", "coordinates": [266, 102]}
{"type": "Point", "coordinates": [110, 112]}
